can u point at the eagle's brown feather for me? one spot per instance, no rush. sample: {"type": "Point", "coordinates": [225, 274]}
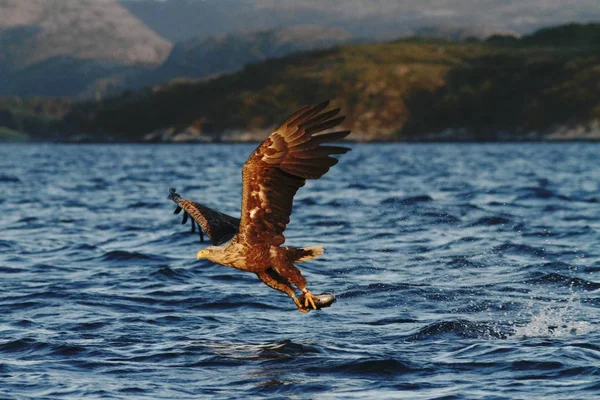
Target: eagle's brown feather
{"type": "Point", "coordinates": [219, 227]}
{"type": "Point", "coordinates": [271, 177]}
{"type": "Point", "coordinates": [280, 166]}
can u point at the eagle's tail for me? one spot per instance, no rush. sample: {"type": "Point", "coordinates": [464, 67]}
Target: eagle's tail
{"type": "Point", "coordinates": [306, 253]}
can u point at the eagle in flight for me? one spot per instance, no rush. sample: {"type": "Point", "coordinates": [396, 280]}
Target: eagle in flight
{"type": "Point", "coordinates": [271, 176]}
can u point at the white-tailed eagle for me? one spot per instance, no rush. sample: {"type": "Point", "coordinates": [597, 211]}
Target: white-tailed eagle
{"type": "Point", "coordinates": [271, 176]}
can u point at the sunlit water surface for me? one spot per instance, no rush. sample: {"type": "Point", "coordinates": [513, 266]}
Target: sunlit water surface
{"type": "Point", "coordinates": [461, 271]}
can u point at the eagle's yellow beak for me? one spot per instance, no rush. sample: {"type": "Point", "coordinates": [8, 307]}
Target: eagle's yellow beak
{"type": "Point", "coordinates": [200, 254]}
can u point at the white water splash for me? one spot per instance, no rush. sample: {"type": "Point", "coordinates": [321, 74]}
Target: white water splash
{"type": "Point", "coordinates": [555, 321]}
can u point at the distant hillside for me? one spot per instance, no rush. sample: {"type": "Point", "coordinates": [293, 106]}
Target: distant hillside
{"type": "Point", "coordinates": [178, 20]}
{"type": "Point", "coordinates": [36, 115]}
{"type": "Point", "coordinates": [63, 47]}
{"type": "Point", "coordinates": [410, 90]}
{"type": "Point", "coordinates": [569, 35]}
{"type": "Point", "coordinates": [92, 48]}
{"type": "Point", "coordinates": [200, 57]}
{"type": "Point", "coordinates": [405, 90]}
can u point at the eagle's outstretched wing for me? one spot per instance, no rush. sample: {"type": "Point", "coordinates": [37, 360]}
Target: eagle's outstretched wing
{"type": "Point", "coordinates": [186, 218]}
{"type": "Point", "coordinates": [280, 166]}
{"type": "Point", "coordinates": [219, 227]}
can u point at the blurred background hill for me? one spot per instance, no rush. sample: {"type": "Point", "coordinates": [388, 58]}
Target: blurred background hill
{"type": "Point", "coordinates": [65, 47]}
{"type": "Point", "coordinates": [207, 70]}
{"type": "Point", "coordinates": [205, 56]}
{"type": "Point", "coordinates": [179, 20]}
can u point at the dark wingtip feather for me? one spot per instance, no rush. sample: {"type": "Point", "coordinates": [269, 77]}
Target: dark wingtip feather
{"type": "Point", "coordinates": [325, 125]}
{"type": "Point", "coordinates": [322, 104]}
{"type": "Point", "coordinates": [320, 118]}
{"type": "Point", "coordinates": [301, 110]}
{"type": "Point", "coordinates": [320, 139]}
{"type": "Point", "coordinates": [172, 193]}
{"type": "Point", "coordinates": [306, 114]}
{"type": "Point", "coordinates": [337, 149]}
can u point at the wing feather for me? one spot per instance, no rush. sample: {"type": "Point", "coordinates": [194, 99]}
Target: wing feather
{"type": "Point", "coordinates": [322, 151]}
{"type": "Point", "coordinates": [320, 118]}
{"type": "Point", "coordinates": [305, 113]}
{"type": "Point", "coordinates": [281, 165]}
{"type": "Point", "coordinates": [315, 141]}
{"type": "Point", "coordinates": [219, 227]}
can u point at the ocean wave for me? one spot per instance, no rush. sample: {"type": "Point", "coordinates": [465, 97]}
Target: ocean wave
{"type": "Point", "coordinates": [517, 248]}
{"type": "Point", "coordinates": [441, 217]}
{"type": "Point", "coordinates": [9, 179]}
{"type": "Point", "coordinates": [563, 280]}
{"type": "Point", "coordinates": [391, 321]}
{"type": "Point", "coordinates": [122, 255]}
{"type": "Point", "coordinates": [406, 201]}
{"type": "Point", "coordinates": [440, 270]}
{"type": "Point", "coordinates": [145, 204]}
{"type": "Point", "coordinates": [464, 262]}
{"type": "Point", "coordinates": [374, 288]}
{"type": "Point", "coordinates": [286, 348]}
{"type": "Point", "coordinates": [8, 244]}
{"type": "Point", "coordinates": [33, 347]}
{"type": "Point", "coordinates": [239, 303]}
{"type": "Point", "coordinates": [458, 328]}
{"type": "Point", "coordinates": [368, 367]}
{"type": "Point", "coordinates": [11, 270]}
{"type": "Point", "coordinates": [491, 221]}
{"type": "Point", "coordinates": [171, 274]}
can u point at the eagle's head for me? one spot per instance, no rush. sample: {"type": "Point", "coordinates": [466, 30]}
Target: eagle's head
{"type": "Point", "coordinates": [211, 253]}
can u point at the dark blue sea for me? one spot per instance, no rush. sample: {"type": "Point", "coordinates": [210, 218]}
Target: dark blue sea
{"type": "Point", "coordinates": [467, 271]}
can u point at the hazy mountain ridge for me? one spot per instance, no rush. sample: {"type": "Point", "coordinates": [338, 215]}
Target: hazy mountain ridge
{"type": "Point", "coordinates": [405, 90]}
{"type": "Point", "coordinates": [45, 43]}
{"type": "Point", "coordinates": [541, 86]}
{"type": "Point", "coordinates": [182, 19]}
{"type": "Point", "coordinates": [84, 29]}
{"type": "Point", "coordinates": [96, 48]}
{"type": "Point", "coordinates": [201, 57]}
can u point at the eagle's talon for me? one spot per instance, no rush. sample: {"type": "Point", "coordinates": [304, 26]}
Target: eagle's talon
{"type": "Point", "coordinates": [308, 300]}
{"type": "Point", "coordinates": [272, 174]}
{"type": "Point", "coordinates": [301, 308]}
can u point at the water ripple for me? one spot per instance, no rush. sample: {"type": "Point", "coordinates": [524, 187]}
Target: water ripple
{"type": "Point", "coordinates": [464, 271]}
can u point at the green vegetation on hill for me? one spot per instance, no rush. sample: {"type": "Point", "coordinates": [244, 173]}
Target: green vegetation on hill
{"type": "Point", "coordinates": [413, 89]}
{"type": "Point", "coordinates": [39, 116]}
{"type": "Point", "coordinates": [209, 56]}
{"type": "Point", "coordinates": [178, 20]}
{"type": "Point", "coordinates": [566, 35]}
{"type": "Point", "coordinates": [11, 136]}
{"type": "Point", "coordinates": [404, 90]}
